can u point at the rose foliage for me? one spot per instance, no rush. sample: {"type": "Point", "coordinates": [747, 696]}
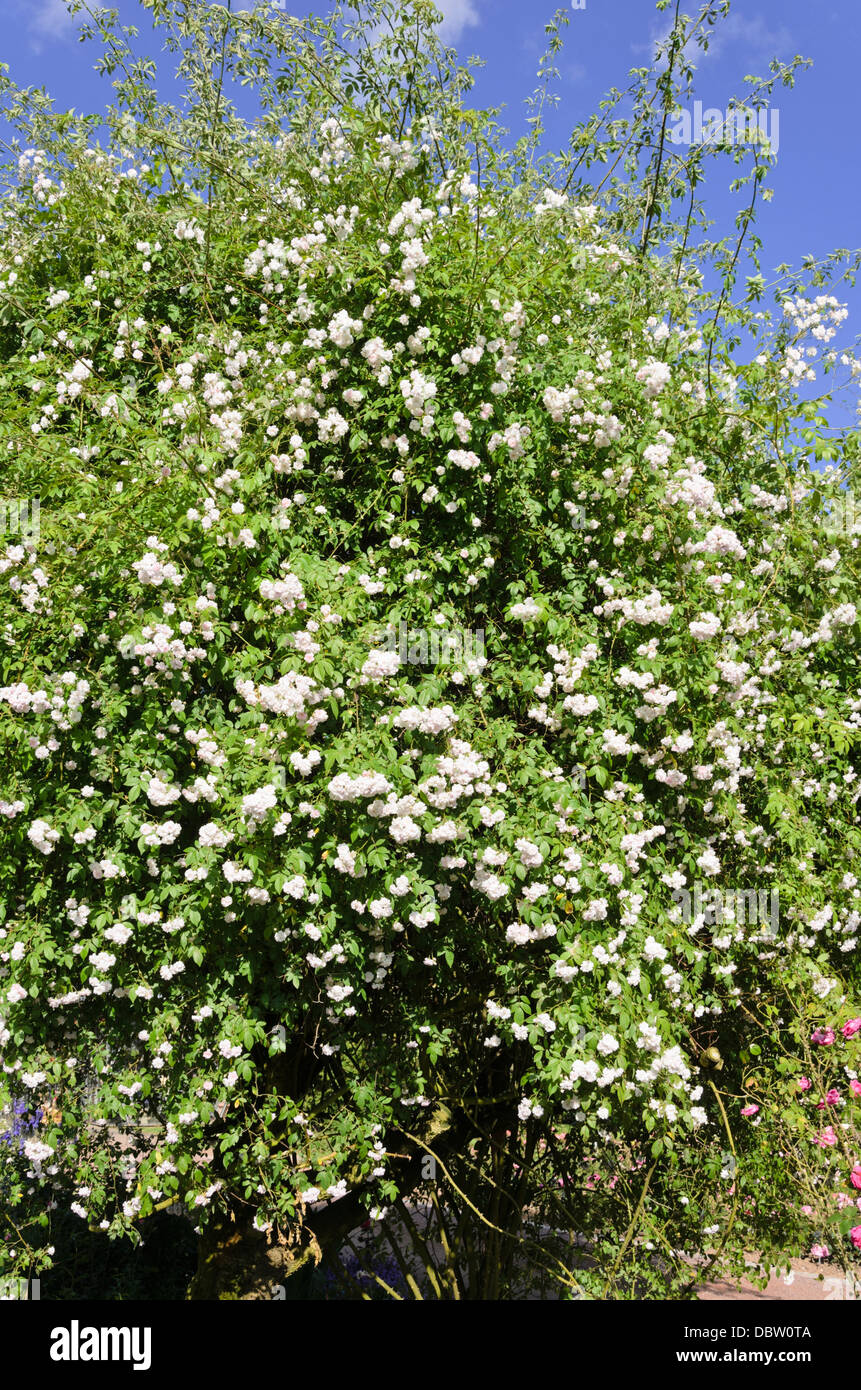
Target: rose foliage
{"type": "Point", "coordinates": [436, 586]}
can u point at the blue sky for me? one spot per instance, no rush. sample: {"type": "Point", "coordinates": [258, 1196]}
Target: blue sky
{"type": "Point", "coordinates": [817, 196]}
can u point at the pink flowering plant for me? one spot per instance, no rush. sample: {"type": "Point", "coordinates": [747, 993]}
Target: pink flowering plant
{"type": "Point", "coordinates": [328, 930]}
{"type": "Point", "coordinates": [816, 1118]}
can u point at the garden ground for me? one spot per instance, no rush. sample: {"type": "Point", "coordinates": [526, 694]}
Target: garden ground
{"type": "Point", "coordinates": [809, 1281]}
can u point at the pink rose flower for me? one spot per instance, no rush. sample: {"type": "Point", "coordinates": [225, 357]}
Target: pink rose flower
{"type": "Point", "coordinates": [806, 1210]}
{"type": "Point", "coordinates": [804, 1083]}
{"type": "Point", "coordinates": [855, 1237]}
{"type": "Point", "coordinates": [821, 1252]}
{"type": "Point", "coordinates": [855, 1175]}
{"type": "Point", "coordinates": [855, 1087]}
{"type": "Point", "coordinates": [826, 1138]}
{"type": "Point", "coordinates": [823, 1036]}
{"type": "Point", "coordinates": [749, 1110]}
{"type": "Point", "coordinates": [851, 1028]}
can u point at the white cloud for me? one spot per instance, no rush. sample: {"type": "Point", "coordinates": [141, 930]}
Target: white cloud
{"type": "Point", "coordinates": [457, 16]}
{"type": "Point", "coordinates": [758, 41]}
{"type": "Point", "coordinates": [51, 20]}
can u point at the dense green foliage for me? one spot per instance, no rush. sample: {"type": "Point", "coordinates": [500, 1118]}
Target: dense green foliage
{"type": "Point", "coordinates": [345, 913]}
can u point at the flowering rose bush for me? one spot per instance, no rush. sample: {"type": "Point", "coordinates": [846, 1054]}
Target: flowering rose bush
{"type": "Point", "coordinates": [341, 926]}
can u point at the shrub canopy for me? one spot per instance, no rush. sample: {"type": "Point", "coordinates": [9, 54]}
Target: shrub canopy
{"type": "Point", "coordinates": [433, 597]}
